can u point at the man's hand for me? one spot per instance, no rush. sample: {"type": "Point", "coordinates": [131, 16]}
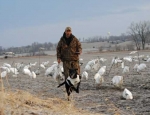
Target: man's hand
{"type": "Point", "coordinates": [58, 60]}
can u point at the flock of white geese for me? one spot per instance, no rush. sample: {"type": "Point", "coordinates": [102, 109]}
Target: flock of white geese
{"type": "Point", "coordinates": [94, 66]}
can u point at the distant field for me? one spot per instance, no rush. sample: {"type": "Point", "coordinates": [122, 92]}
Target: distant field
{"type": "Point", "coordinates": [87, 47]}
{"type": "Point", "coordinates": [95, 44]}
{"type": "Point", "coordinates": [98, 44]}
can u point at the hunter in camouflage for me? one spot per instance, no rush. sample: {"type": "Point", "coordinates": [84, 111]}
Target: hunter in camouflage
{"type": "Point", "coordinates": [68, 51]}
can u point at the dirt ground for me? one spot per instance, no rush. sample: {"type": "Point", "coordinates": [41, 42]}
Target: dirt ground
{"type": "Point", "coordinates": [103, 100]}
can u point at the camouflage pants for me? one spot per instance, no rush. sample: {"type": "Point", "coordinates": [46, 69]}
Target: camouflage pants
{"type": "Point", "coordinates": [70, 65]}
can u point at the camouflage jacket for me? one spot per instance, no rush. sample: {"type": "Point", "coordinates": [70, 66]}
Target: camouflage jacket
{"type": "Point", "coordinates": [68, 53]}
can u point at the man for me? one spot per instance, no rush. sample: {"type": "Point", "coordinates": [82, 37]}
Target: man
{"type": "Point", "coordinates": [68, 51]}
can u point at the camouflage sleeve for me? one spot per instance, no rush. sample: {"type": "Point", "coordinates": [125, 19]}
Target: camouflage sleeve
{"type": "Point", "coordinates": [59, 50]}
{"type": "Point", "coordinates": [79, 46]}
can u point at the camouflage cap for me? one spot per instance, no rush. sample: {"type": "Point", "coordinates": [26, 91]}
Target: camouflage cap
{"type": "Point", "coordinates": [68, 28]}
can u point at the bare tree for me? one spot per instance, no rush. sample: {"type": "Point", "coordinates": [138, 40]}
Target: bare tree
{"type": "Point", "coordinates": [140, 33]}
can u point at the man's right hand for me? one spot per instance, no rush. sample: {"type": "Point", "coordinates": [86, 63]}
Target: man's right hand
{"type": "Point", "coordinates": [58, 60]}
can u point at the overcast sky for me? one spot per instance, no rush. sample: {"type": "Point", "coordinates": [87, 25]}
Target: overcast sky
{"type": "Point", "coordinates": [23, 22]}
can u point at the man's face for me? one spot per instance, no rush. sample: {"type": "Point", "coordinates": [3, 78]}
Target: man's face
{"type": "Point", "coordinates": [68, 33]}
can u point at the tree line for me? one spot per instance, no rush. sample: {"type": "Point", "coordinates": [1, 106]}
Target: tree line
{"type": "Point", "coordinates": [138, 33]}
{"type": "Point", "coordinates": [32, 49]}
